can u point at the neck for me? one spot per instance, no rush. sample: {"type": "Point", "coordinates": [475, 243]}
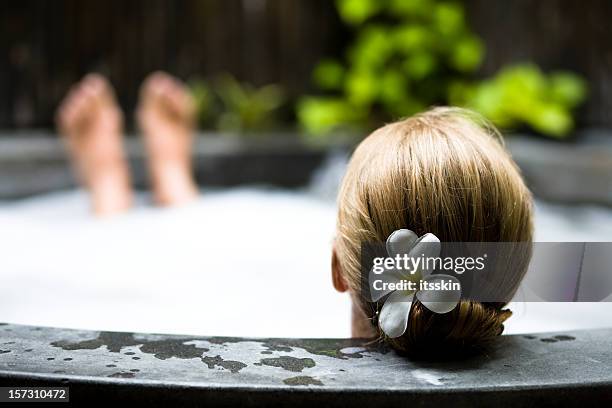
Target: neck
{"type": "Point", "coordinates": [360, 324]}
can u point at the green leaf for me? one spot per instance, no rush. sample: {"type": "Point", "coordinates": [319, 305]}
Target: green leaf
{"type": "Point", "coordinates": [230, 91]}
{"type": "Point", "coordinates": [449, 18]}
{"type": "Point", "coordinates": [371, 49]}
{"type": "Point", "coordinates": [322, 115]}
{"type": "Point", "coordinates": [393, 87]}
{"type": "Point", "coordinates": [269, 97]}
{"type": "Point", "coordinates": [419, 65]}
{"type": "Point", "coordinates": [567, 88]}
{"type": "Point", "coordinates": [552, 120]}
{"type": "Point", "coordinates": [245, 107]}
{"type": "Point", "coordinates": [203, 97]}
{"type": "Point", "coordinates": [329, 74]}
{"type": "Point", "coordinates": [488, 99]}
{"type": "Point", "coordinates": [361, 87]}
{"type": "Point", "coordinates": [467, 54]}
{"type": "Point", "coordinates": [410, 8]}
{"type": "Point", "coordinates": [460, 92]}
{"type": "Point", "coordinates": [355, 12]}
{"type": "Point", "coordinates": [412, 37]}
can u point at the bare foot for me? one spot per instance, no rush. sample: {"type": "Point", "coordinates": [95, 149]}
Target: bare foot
{"type": "Point", "coordinates": [91, 124]}
{"type": "Point", "coordinates": [166, 115]}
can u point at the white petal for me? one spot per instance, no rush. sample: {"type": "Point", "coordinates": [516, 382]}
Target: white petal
{"type": "Point", "coordinates": [428, 246]}
{"type": "Point", "coordinates": [440, 301]}
{"type": "Point", "coordinates": [400, 242]}
{"type": "Point", "coordinates": [393, 318]}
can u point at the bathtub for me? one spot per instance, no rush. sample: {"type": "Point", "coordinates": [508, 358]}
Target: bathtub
{"type": "Point", "coordinates": [236, 262]}
{"type": "Point", "coordinates": [242, 273]}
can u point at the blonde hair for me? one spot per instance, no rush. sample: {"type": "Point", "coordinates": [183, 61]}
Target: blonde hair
{"type": "Point", "coordinates": [444, 171]}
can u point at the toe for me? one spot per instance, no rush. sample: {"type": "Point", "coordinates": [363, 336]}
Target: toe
{"type": "Point", "coordinates": [79, 108]}
{"type": "Point", "coordinates": [96, 82]}
{"type": "Point", "coordinates": [98, 87]}
{"type": "Point", "coordinates": [70, 110]}
{"type": "Point", "coordinates": [94, 86]}
{"type": "Point", "coordinates": [165, 97]}
{"type": "Point", "coordinates": [158, 89]}
{"type": "Point", "coordinates": [154, 84]}
{"type": "Point", "coordinates": [181, 101]}
{"type": "Point", "coordinates": [92, 98]}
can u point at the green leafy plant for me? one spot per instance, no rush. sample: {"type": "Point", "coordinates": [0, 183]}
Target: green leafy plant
{"type": "Point", "coordinates": [408, 55]}
{"type": "Point", "coordinates": [522, 94]}
{"type": "Point", "coordinates": [404, 54]}
{"type": "Point", "coordinates": [228, 105]}
{"type": "Point", "coordinates": [204, 100]}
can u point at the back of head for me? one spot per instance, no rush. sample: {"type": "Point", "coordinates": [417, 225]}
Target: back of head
{"type": "Point", "coordinates": [445, 172]}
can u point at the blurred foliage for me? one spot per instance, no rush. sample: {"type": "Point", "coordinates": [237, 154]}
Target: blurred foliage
{"type": "Point", "coordinates": [228, 105]}
{"type": "Point", "coordinates": [204, 100]}
{"type": "Point", "coordinates": [522, 94]}
{"type": "Point", "coordinates": [410, 54]}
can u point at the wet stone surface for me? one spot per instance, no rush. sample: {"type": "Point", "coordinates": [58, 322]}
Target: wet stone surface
{"type": "Point", "coordinates": [288, 363]}
{"type": "Point", "coordinates": [515, 361]}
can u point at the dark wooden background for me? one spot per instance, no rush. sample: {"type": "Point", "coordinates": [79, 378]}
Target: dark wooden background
{"type": "Point", "coordinates": [45, 45]}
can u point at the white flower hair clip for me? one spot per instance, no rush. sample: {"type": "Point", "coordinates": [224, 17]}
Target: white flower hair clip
{"type": "Point", "coordinates": [393, 317]}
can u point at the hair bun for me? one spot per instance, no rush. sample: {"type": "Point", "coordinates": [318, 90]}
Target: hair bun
{"type": "Point", "coordinates": [471, 326]}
